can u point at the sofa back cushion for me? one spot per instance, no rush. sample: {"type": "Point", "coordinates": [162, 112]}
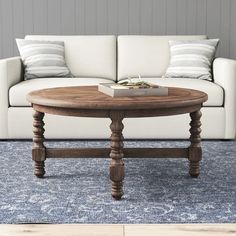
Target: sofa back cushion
{"type": "Point", "coordinates": [87, 56]}
{"type": "Point", "coordinates": [146, 55]}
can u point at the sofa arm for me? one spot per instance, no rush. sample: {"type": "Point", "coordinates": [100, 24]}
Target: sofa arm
{"type": "Point", "coordinates": [224, 71]}
{"type": "Point", "coordinates": [10, 74]}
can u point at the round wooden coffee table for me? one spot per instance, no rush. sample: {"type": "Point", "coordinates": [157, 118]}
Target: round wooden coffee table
{"type": "Point", "coordinates": [89, 102]}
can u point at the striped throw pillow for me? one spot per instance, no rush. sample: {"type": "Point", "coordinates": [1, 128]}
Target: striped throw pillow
{"type": "Point", "coordinates": [43, 59]}
{"type": "Point", "coordinates": [191, 59]}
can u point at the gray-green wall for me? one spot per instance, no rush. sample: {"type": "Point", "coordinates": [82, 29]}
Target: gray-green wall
{"type": "Point", "coordinates": [216, 18]}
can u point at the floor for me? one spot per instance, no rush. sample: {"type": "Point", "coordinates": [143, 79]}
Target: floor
{"type": "Point", "coordinates": [119, 230]}
{"type": "Point", "coordinates": [77, 191]}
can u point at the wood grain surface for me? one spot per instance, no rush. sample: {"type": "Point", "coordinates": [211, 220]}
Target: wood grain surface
{"type": "Point", "coordinates": [61, 230]}
{"type": "Point", "coordinates": [181, 230]}
{"type": "Point", "coordinates": [88, 97]}
{"type": "Point", "coordinates": [119, 230]}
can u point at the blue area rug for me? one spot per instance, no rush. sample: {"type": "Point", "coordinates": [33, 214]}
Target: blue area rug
{"type": "Point", "coordinates": [156, 190]}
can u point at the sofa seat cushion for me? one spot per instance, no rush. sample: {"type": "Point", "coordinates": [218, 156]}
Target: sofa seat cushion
{"type": "Point", "coordinates": [17, 93]}
{"type": "Point", "coordinates": [214, 91]}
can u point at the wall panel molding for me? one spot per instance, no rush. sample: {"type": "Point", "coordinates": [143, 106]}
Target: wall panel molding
{"type": "Point", "coordinates": [232, 46]}
{"type": "Point", "coordinates": [216, 18]}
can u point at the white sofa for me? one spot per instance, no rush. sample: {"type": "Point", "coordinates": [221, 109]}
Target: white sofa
{"type": "Point", "coordinates": [96, 59]}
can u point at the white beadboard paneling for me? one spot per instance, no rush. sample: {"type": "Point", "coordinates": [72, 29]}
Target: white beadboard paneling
{"type": "Point", "coordinates": [146, 13]}
{"type": "Point", "coordinates": [216, 18]}
{"type": "Point", "coordinates": [191, 16]}
{"type": "Point", "coordinates": [123, 18]}
{"type": "Point", "coordinates": [54, 17]}
{"type": "Point", "coordinates": [90, 17]}
{"type": "Point", "coordinates": [159, 17]}
{"type": "Point", "coordinates": [18, 22]}
{"type": "Point", "coordinates": [201, 17]}
{"type": "Point", "coordinates": [68, 11]}
{"type": "Point", "coordinates": [80, 17]}
{"type": "Point", "coordinates": [171, 17]}
{"type": "Point", "coordinates": [112, 24]}
{"type": "Point", "coordinates": [134, 16]}
{"type": "Point", "coordinates": [233, 30]}
{"type": "Point", "coordinates": [102, 16]}
{"type": "Point", "coordinates": [40, 9]}
{"type": "Point", "coordinates": [213, 18]}
{"type": "Point", "coordinates": [7, 28]}
{"type": "Point", "coordinates": [225, 28]}
{"type": "Point", "coordinates": [181, 17]}
{"type": "Point", "coordinates": [1, 27]}
{"type": "Point", "coordinates": [28, 17]}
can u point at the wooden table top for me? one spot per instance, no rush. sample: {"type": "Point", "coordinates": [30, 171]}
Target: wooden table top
{"type": "Point", "coordinates": [88, 97]}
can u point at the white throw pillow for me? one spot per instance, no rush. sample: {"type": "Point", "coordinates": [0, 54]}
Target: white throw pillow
{"type": "Point", "coordinates": [191, 58]}
{"type": "Point", "coordinates": [43, 59]}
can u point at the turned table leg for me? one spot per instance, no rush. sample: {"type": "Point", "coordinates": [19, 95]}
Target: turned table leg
{"type": "Point", "coordinates": [38, 151]}
{"type": "Point", "coordinates": [195, 150]}
{"type": "Point", "coordinates": [116, 154]}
